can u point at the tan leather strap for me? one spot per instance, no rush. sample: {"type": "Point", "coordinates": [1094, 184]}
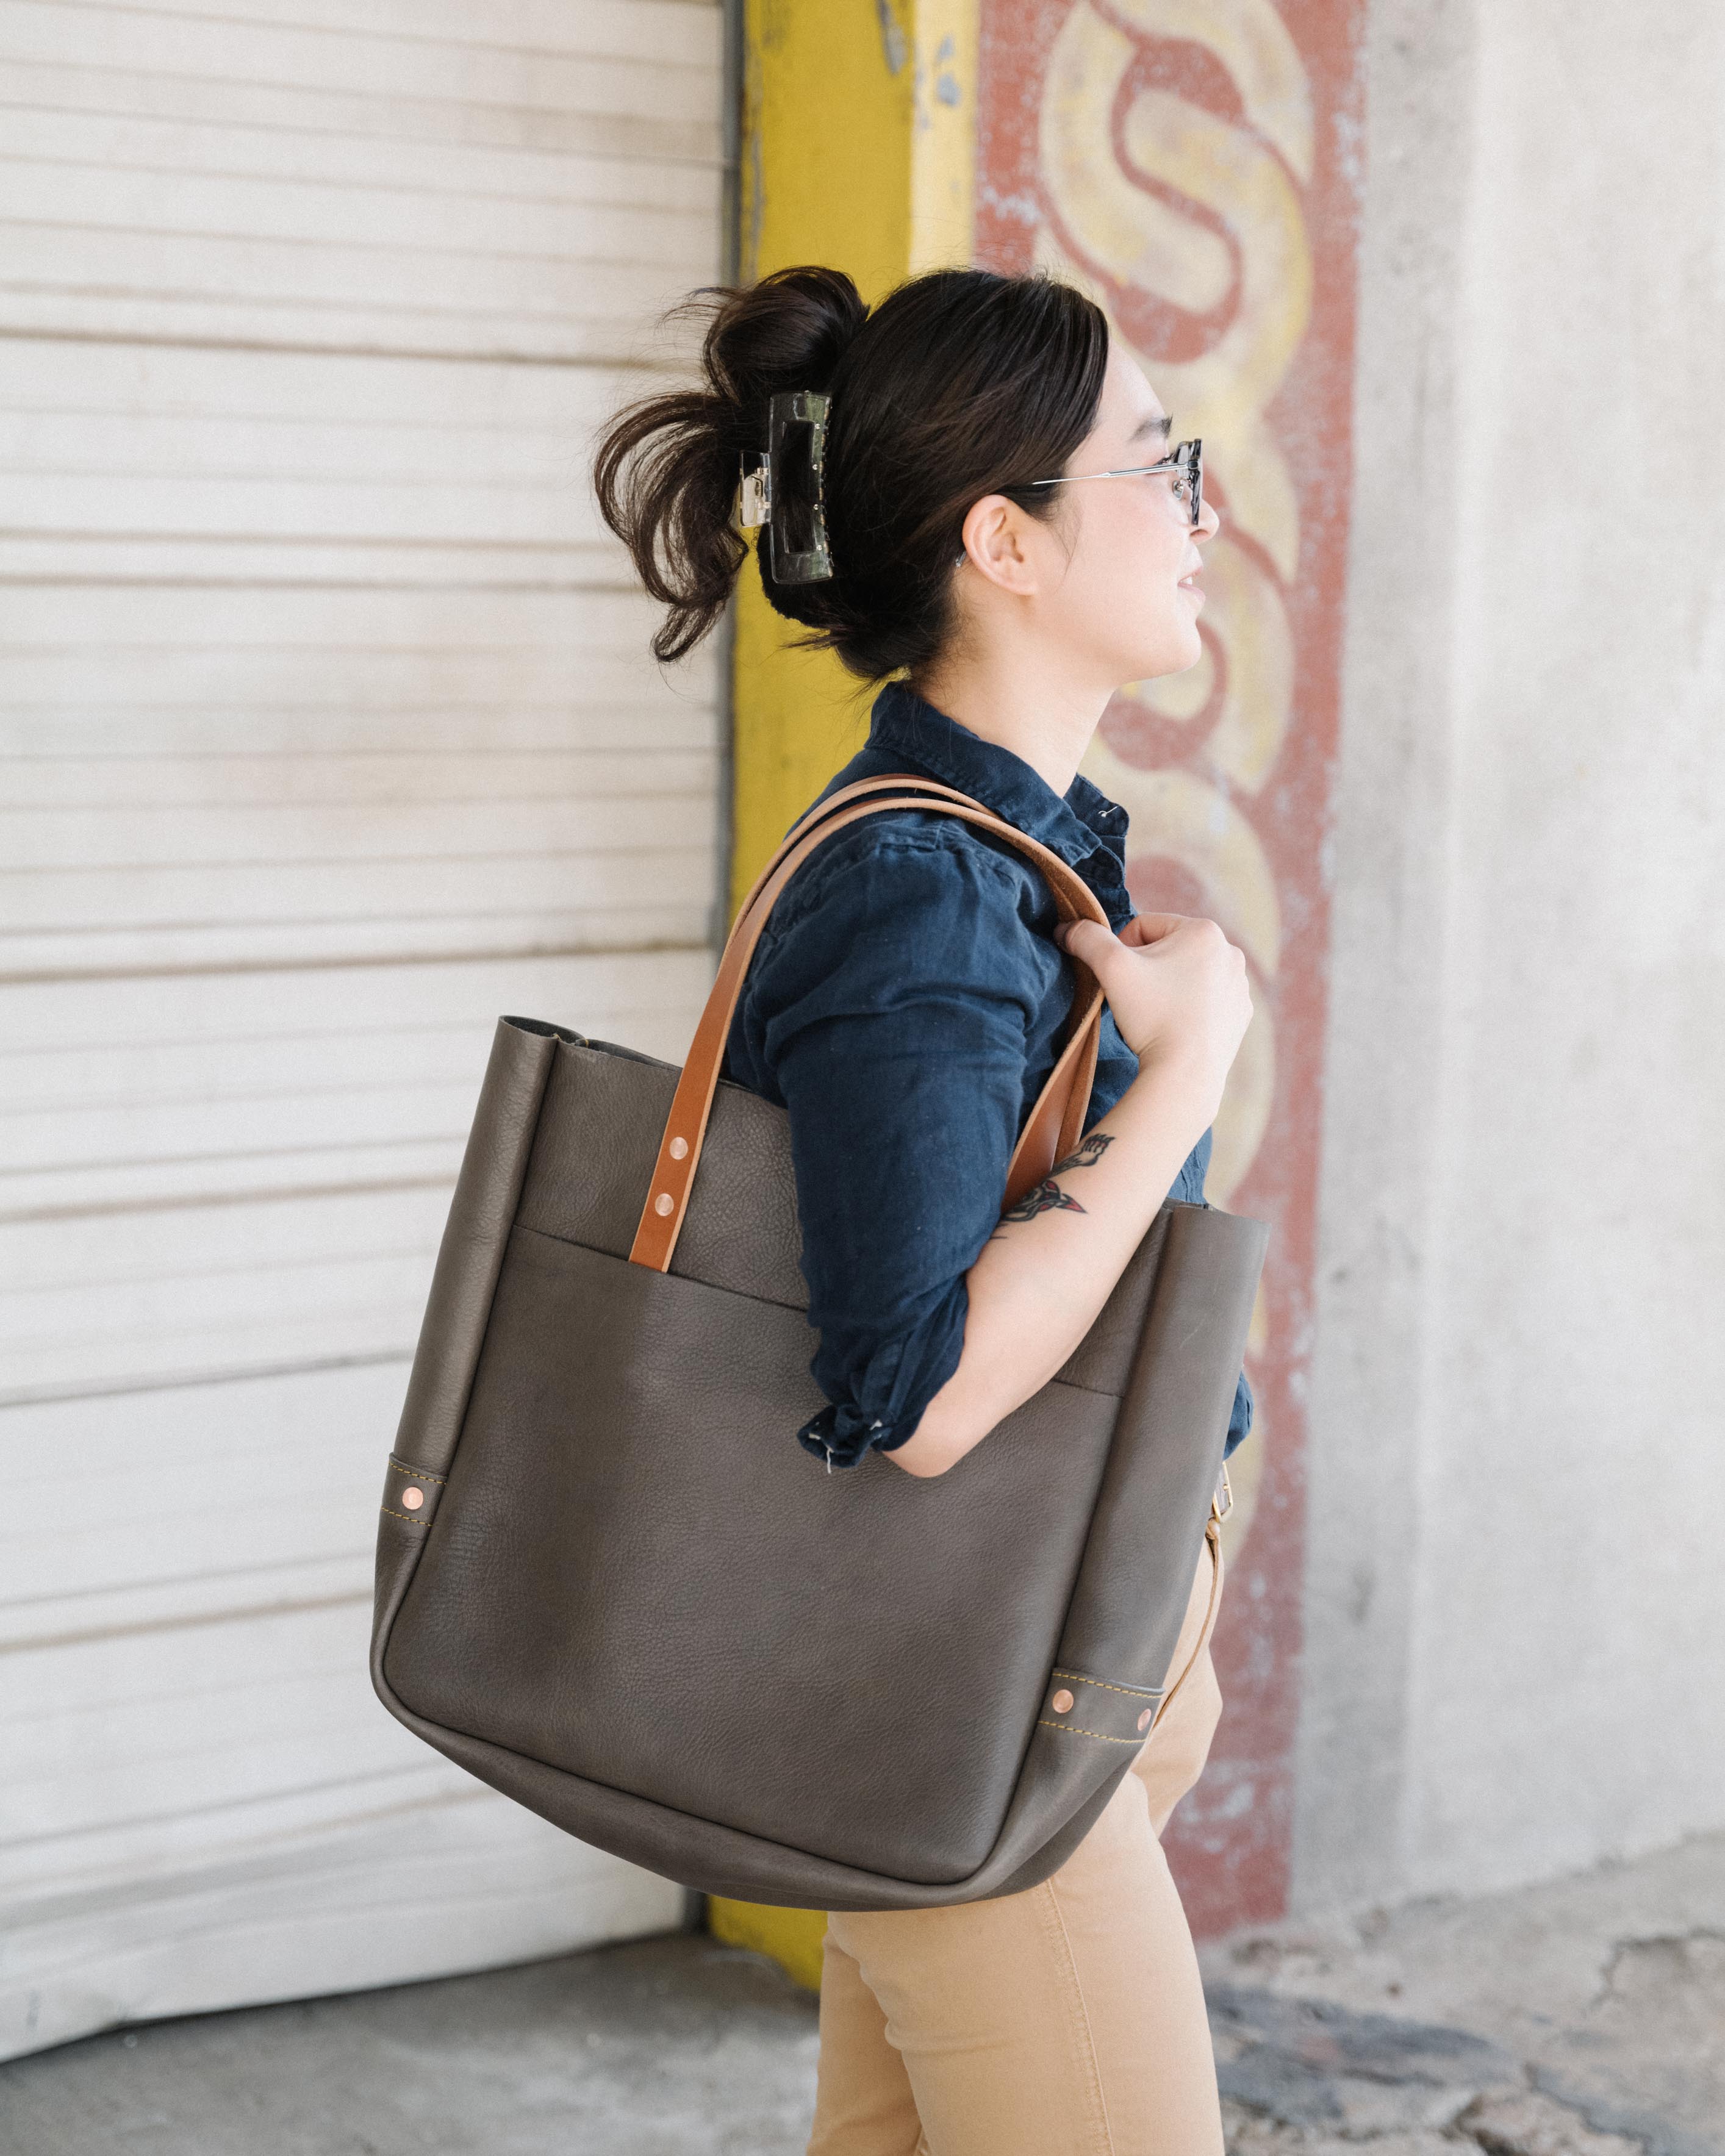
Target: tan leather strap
{"type": "Point", "coordinates": [1056, 1123]}
{"type": "Point", "coordinates": [902, 782]}
{"type": "Point", "coordinates": [1213, 1539]}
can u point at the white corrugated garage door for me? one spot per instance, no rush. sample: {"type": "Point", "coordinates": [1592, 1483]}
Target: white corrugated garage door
{"type": "Point", "coordinates": [328, 733]}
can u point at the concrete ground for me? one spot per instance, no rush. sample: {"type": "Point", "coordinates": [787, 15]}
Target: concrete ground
{"type": "Point", "coordinates": [673, 2046]}
{"type": "Point", "coordinates": [1585, 2018]}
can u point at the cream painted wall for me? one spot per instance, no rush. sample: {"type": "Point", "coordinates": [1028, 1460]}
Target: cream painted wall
{"type": "Point", "coordinates": [1515, 1597]}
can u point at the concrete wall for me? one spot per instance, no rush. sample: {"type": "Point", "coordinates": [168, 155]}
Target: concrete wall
{"type": "Point", "coordinates": [1515, 1598]}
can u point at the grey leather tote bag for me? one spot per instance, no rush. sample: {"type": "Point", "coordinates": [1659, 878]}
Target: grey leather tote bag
{"type": "Point", "coordinates": [610, 1582]}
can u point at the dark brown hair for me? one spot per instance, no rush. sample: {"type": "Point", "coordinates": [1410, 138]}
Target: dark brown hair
{"type": "Point", "coordinates": [960, 383]}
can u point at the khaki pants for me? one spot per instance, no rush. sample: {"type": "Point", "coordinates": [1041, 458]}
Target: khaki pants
{"type": "Point", "coordinates": [1068, 2021]}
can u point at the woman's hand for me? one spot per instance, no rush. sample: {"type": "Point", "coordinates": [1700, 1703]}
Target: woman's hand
{"type": "Point", "coordinates": [1178, 992]}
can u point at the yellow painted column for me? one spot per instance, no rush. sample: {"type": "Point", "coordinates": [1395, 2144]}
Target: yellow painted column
{"type": "Point", "coordinates": [859, 151]}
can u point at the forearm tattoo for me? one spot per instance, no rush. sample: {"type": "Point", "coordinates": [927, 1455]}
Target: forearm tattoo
{"type": "Point", "coordinates": [1087, 1155]}
{"type": "Point", "coordinates": [1047, 1197]}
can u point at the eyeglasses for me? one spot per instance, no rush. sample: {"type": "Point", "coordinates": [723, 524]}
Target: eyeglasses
{"type": "Point", "coordinates": [1185, 461]}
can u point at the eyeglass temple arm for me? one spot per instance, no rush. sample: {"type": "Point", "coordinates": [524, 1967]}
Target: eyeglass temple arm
{"type": "Point", "coordinates": [1126, 471]}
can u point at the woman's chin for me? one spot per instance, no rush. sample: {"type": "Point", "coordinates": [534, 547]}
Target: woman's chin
{"type": "Point", "coordinates": [1175, 653]}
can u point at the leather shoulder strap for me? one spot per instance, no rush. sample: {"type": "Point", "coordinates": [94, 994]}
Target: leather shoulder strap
{"type": "Point", "coordinates": [1054, 1126]}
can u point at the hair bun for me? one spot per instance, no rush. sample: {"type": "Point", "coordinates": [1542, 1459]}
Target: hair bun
{"type": "Point", "coordinates": [787, 332]}
{"type": "Point", "coordinates": [666, 469]}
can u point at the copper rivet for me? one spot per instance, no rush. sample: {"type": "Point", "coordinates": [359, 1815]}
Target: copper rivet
{"type": "Point", "coordinates": [1061, 1702]}
{"type": "Point", "coordinates": [413, 1499]}
{"type": "Point", "coordinates": [1144, 1719]}
{"type": "Point", "coordinates": [679, 1148]}
{"type": "Point", "coordinates": [664, 1203]}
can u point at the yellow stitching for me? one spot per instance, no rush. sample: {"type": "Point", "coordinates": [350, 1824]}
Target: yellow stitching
{"type": "Point", "coordinates": [407, 1517]}
{"type": "Point", "coordinates": [418, 1474]}
{"type": "Point", "coordinates": [1131, 1691]}
{"type": "Point", "coordinates": [1071, 1730]}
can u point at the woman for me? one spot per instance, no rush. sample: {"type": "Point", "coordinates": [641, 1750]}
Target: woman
{"type": "Point", "coordinates": [904, 1006]}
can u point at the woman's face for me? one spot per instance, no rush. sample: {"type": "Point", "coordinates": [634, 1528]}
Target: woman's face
{"type": "Point", "coordinates": [1128, 601]}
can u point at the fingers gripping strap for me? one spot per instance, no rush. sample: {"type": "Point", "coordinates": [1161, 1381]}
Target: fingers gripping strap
{"type": "Point", "coordinates": [1054, 1124]}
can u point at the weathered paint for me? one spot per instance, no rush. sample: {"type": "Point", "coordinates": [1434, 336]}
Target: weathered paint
{"type": "Point", "coordinates": [858, 135]}
{"type": "Point", "coordinates": [1190, 162]}
{"type": "Point", "coordinates": [792, 1938]}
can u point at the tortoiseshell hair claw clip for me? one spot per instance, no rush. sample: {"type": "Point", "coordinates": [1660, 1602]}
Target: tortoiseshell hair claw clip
{"type": "Point", "coordinates": [783, 491]}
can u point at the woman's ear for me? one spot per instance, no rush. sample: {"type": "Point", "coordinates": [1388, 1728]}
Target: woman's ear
{"type": "Point", "coordinates": [995, 541]}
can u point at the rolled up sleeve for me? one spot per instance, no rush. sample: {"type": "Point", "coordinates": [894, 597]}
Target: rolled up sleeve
{"type": "Point", "coordinates": [889, 1012]}
{"type": "Point", "coordinates": [1239, 1422]}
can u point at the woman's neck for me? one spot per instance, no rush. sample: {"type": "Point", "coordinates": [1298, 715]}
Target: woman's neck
{"type": "Point", "coordinates": [1008, 698]}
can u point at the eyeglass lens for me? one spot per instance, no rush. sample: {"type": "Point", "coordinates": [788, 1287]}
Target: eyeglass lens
{"type": "Point", "coordinates": [1191, 457]}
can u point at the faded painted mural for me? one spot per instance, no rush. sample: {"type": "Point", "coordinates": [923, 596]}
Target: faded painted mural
{"type": "Point", "coordinates": [1191, 163]}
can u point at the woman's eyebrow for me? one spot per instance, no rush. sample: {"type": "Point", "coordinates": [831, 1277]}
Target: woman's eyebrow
{"type": "Point", "coordinates": [1162, 424]}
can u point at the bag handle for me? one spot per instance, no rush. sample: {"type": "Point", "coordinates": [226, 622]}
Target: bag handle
{"type": "Point", "coordinates": [1056, 1123]}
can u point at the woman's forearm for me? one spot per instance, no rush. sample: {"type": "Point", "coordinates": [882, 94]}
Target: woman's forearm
{"type": "Point", "coordinates": [1048, 1268]}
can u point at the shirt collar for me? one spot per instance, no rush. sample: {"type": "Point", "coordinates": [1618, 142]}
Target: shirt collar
{"type": "Point", "coordinates": [905, 726]}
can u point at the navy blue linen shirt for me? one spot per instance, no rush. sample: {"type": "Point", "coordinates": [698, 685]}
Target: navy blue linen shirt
{"type": "Point", "coordinates": [904, 1005]}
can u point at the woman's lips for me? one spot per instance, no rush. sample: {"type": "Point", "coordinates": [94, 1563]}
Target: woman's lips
{"type": "Point", "coordinates": [1190, 584]}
